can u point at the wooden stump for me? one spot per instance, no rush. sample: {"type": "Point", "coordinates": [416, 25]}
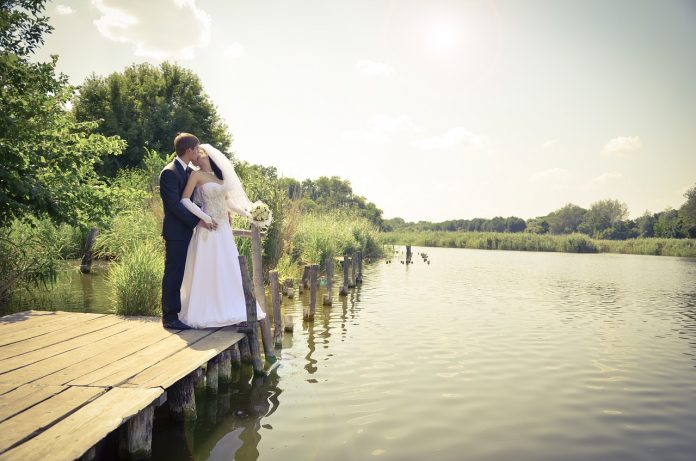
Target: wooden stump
{"type": "Point", "coordinates": [182, 399]}
{"type": "Point", "coordinates": [329, 282]}
{"type": "Point", "coordinates": [290, 292]}
{"type": "Point", "coordinates": [199, 380]}
{"type": "Point", "coordinates": [211, 375]}
{"type": "Point", "coordinates": [135, 436]}
{"type": "Point", "coordinates": [288, 322]}
{"type": "Point", "coordinates": [277, 320]}
{"type": "Point", "coordinates": [344, 288]}
{"type": "Point", "coordinates": [245, 350]}
{"type": "Point", "coordinates": [359, 277]}
{"type": "Point", "coordinates": [225, 368]}
{"type": "Point", "coordinates": [260, 294]}
{"type": "Point", "coordinates": [304, 282]}
{"type": "Point", "coordinates": [353, 267]}
{"type": "Point", "coordinates": [287, 283]}
{"type": "Point", "coordinates": [313, 270]}
{"type": "Point", "coordinates": [251, 318]}
{"type": "Point", "coordinates": [408, 254]}
{"type": "Point", "coordinates": [235, 357]}
{"type": "Point", "coordinates": [86, 264]}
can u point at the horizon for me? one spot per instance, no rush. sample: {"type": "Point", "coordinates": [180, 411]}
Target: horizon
{"type": "Point", "coordinates": [434, 111]}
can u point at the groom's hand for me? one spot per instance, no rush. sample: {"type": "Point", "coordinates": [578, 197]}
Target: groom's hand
{"type": "Point", "coordinates": [212, 226]}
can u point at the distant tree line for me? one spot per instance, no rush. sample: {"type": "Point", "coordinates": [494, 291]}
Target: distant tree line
{"type": "Point", "coordinates": [604, 219]}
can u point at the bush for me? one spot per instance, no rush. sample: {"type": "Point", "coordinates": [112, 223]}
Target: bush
{"type": "Point", "coordinates": [136, 280]}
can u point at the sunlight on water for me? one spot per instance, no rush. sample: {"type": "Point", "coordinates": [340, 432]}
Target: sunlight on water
{"type": "Point", "coordinates": [481, 355]}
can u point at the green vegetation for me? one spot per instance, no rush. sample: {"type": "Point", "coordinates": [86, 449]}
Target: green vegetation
{"type": "Point", "coordinates": [572, 243]}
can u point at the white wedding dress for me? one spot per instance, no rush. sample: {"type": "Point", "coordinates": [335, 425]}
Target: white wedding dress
{"type": "Point", "coordinates": [211, 292]}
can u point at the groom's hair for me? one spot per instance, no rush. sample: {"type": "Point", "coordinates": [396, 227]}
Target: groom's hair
{"type": "Point", "coordinates": [183, 142]}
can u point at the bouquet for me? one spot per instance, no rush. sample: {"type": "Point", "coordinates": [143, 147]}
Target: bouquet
{"type": "Point", "coordinates": [261, 214]}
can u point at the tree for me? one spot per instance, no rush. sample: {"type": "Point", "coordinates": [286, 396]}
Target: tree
{"type": "Point", "coordinates": [669, 224]}
{"type": "Point", "coordinates": [147, 106]}
{"type": "Point", "coordinates": [646, 225]}
{"type": "Point", "coordinates": [602, 215]}
{"type": "Point", "coordinates": [688, 212]}
{"type": "Point", "coordinates": [566, 220]}
{"type": "Point", "coordinates": [48, 158]}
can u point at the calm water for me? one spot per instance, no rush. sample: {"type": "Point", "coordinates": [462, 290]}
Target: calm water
{"type": "Point", "coordinates": [481, 355]}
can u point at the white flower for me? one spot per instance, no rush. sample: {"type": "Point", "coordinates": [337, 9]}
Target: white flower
{"type": "Point", "coordinates": [261, 214]}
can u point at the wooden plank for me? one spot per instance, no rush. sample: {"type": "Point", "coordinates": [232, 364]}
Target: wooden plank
{"type": "Point", "coordinates": [117, 372]}
{"type": "Point", "coordinates": [86, 338]}
{"type": "Point", "coordinates": [17, 333]}
{"type": "Point", "coordinates": [105, 350]}
{"type": "Point", "coordinates": [24, 397]}
{"type": "Point", "coordinates": [25, 319]}
{"type": "Point", "coordinates": [20, 427]}
{"type": "Point", "coordinates": [76, 434]}
{"type": "Point", "coordinates": [166, 373]}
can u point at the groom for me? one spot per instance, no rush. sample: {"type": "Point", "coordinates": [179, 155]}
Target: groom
{"type": "Point", "coordinates": [177, 227]}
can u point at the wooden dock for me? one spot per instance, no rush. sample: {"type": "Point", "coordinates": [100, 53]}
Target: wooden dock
{"type": "Point", "coordinates": [67, 380]}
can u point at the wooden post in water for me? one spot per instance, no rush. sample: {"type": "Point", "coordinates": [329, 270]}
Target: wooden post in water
{"type": "Point", "coordinates": [86, 265]}
{"type": "Point", "coordinates": [353, 268]}
{"type": "Point", "coordinates": [288, 290]}
{"type": "Point", "coordinates": [257, 265]}
{"type": "Point", "coordinates": [252, 321]}
{"type": "Point", "coordinates": [235, 358]}
{"type": "Point", "coordinates": [314, 268]}
{"type": "Point", "coordinates": [135, 436]}
{"type": "Point", "coordinates": [305, 277]}
{"type": "Point", "coordinates": [408, 254]}
{"type": "Point", "coordinates": [182, 399]}
{"type": "Point", "coordinates": [277, 320]}
{"type": "Point", "coordinates": [245, 350]}
{"type": "Point", "coordinates": [211, 375]}
{"type": "Point", "coordinates": [329, 282]}
{"type": "Point", "coordinates": [225, 367]}
{"type": "Point", "coordinates": [359, 278]}
{"type": "Point", "coordinates": [344, 288]}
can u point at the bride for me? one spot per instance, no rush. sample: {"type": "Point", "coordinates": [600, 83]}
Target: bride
{"type": "Point", "coordinates": [211, 292]}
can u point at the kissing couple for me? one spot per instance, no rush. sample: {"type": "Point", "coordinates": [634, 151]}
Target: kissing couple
{"type": "Point", "coordinates": [202, 281]}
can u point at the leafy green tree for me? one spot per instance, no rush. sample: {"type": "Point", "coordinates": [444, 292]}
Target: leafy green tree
{"type": "Point", "coordinates": [602, 215]}
{"type": "Point", "coordinates": [147, 106]}
{"type": "Point", "coordinates": [538, 225]}
{"type": "Point", "coordinates": [688, 212]}
{"type": "Point", "coordinates": [646, 224]}
{"type": "Point", "coordinates": [669, 224]}
{"type": "Point", "coordinates": [566, 220]}
{"type": "Point", "coordinates": [48, 158]}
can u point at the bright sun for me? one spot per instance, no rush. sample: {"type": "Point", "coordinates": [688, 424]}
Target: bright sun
{"type": "Point", "coordinates": [442, 37]}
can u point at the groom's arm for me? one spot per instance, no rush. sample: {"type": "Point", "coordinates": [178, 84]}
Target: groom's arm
{"type": "Point", "coordinates": [170, 193]}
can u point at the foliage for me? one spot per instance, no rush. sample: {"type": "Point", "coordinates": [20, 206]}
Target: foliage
{"type": "Point", "coordinates": [136, 279]}
{"type": "Point", "coordinates": [566, 220]}
{"type": "Point", "coordinates": [147, 106]}
{"type": "Point", "coordinates": [573, 243]}
{"type": "Point", "coordinates": [688, 212]}
{"type": "Point", "coordinates": [48, 158]}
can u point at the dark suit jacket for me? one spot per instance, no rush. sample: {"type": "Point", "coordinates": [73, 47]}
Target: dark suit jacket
{"type": "Point", "coordinates": [178, 222]}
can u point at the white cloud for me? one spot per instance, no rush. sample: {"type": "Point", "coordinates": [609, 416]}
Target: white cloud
{"type": "Point", "coordinates": [456, 136]}
{"type": "Point", "coordinates": [550, 174]}
{"type": "Point", "coordinates": [374, 69]}
{"type": "Point", "coordinates": [605, 178]}
{"type": "Point", "coordinates": [158, 29]}
{"type": "Point", "coordinates": [622, 145]}
{"type": "Point", "coordinates": [549, 144]}
{"type": "Point", "coordinates": [235, 50]}
{"type": "Point", "coordinates": [63, 9]}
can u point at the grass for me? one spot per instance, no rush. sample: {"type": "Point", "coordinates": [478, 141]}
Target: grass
{"type": "Point", "coordinates": [135, 280]}
{"type": "Point", "coordinates": [573, 243]}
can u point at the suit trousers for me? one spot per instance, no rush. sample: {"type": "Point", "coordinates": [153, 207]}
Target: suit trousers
{"type": "Point", "coordinates": [174, 264]}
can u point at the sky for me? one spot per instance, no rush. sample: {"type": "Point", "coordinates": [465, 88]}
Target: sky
{"type": "Point", "coordinates": [433, 110]}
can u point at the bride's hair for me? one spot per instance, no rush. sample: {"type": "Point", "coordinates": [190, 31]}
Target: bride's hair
{"type": "Point", "coordinates": [216, 169]}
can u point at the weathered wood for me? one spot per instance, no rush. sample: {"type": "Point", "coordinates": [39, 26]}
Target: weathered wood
{"type": "Point", "coordinates": [251, 317]}
{"type": "Point", "coordinates": [260, 293]}
{"type": "Point", "coordinates": [304, 281]}
{"type": "Point", "coordinates": [287, 284]}
{"type": "Point", "coordinates": [211, 375]}
{"type": "Point", "coordinates": [288, 322]}
{"type": "Point", "coordinates": [19, 332]}
{"type": "Point", "coordinates": [245, 350]}
{"type": "Point", "coordinates": [225, 368]}
{"type": "Point", "coordinates": [23, 397]}
{"type": "Point", "coordinates": [359, 277]}
{"type": "Point", "coordinates": [235, 358]}
{"type": "Point", "coordinates": [344, 288]}
{"type": "Point", "coordinates": [409, 255]}
{"type": "Point", "coordinates": [23, 425]}
{"type": "Point", "coordinates": [86, 264]}
{"type": "Point", "coordinates": [329, 282]}
{"type": "Point", "coordinates": [135, 436]}
{"type": "Point", "coordinates": [277, 319]}
{"type": "Point", "coordinates": [309, 313]}
{"type": "Point", "coordinates": [73, 436]}
{"type": "Point", "coordinates": [182, 399]}
{"type": "Point", "coordinates": [198, 381]}
{"type": "Point", "coordinates": [353, 269]}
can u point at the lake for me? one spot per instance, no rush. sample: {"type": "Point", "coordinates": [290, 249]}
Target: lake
{"type": "Point", "coordinates": [479, 355]}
